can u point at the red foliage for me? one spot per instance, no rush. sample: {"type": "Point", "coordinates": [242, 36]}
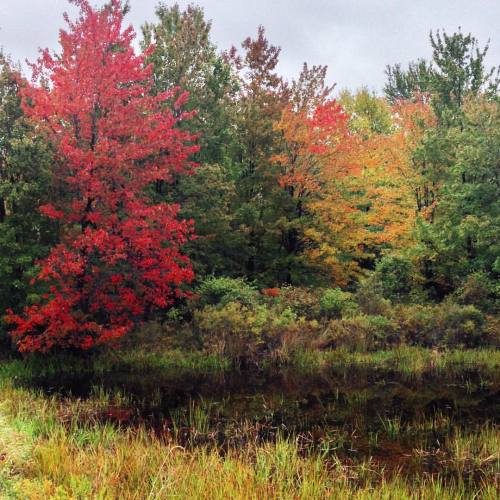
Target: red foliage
{"type": "Point", "coordinates": [271, 292]}
{"type": "Point", "coordinates": [312, 141]}
{"type": "Point", "coordinates": [119, 257]}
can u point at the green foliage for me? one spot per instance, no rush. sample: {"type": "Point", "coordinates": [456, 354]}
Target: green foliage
{"type": "Point", "coordinates": [233, 329]}
{"type": "Point", "coordinates": [370, 299]}
{"type": "Point", "coordinates": [302, 301]}
{"type": "Point", "coordinates": [184, 57]}
{"type": "Point", "coordinates": [361, 333]}
{"type": "Point", "coordinates": [262, 96]}
{"type": "Point", "coordinates": [223, 290]}
{"type": "Point", "coordinates": [479, 290]}
{"type": "Point", "coordinates": [463, 238]}
{"type": "Point", "coordinates": [207, 197]}
{"type": "Point", "coordinates": [25, 183]}
{"type": "Point", "coordinates": [405, 84]}
{"type": "Point", "coordinates": [394, 277]}
{"type": "Point", "coordinates": [457, 162]}
{"type": "Point", "coordinates": [244, 333]}
{"type": "Point", "coordinates": [460, 325]}
{"type": "Point", "coordinates": [335, 303]}
{"type": "Point", "coordinates": [369, 114]}
{"type": "Point", "coordinates": [417, 324]}
{"type": "Point", "coordinates": [446, 324]}
{"type": "Point", "coordinates": [457, 70]}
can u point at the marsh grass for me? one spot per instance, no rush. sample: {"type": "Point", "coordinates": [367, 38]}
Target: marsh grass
{"type": "Point", "coordinates": [412, 362]}
{"type": "Point", "coordinates": [48, 452]}
{"type": "Point", "coordinates": [54, 446]}
{"type": "Point", "coordinates": [178, 362]}
{"type": "Point", "coordinates": [393, 427]}
{"type": "Point", "coordinates": [475, 453]}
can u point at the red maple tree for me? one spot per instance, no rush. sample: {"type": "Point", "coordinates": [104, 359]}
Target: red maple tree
{"type": "Point", "coordinates": [119, 254]}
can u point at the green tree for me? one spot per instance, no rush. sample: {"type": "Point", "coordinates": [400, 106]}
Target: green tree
{"type": "Point", "coordinates": [25, 183]}
{"type": "Point", "coordinates": [464, 236]}
{"type": "Point", "coordinates": [457, 70]}
{"type": "Point", "coordinates": [262, 96]}
{"type": "Point", "coordinates": [404, 84]}
{"type": "Point", "coordinates": [369, 114]}
{"type": "Point", "coordinates": [184, 57]}
{"type": "Point", "coordinates": [455, 160]}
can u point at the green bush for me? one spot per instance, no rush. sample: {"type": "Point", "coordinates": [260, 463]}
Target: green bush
{"type": "Point", "coordinates": [393, 274]}
{"type": "Point", "coordinates": [460, 325]}
{"type": "Point", "coordinates": [370, 299]}
{"type": "Point", "coordinates": [242, 334]}
{"type": "Point", "coordinates": [443, 325]}
{"type": "Point", "coordinates": [232, 329]}
{"type": "Point", "coordinates": [384, 332]}
{"type": "Point", "coordinates": [492, 331]}
{"type": "Point", "coordinates": [221, 291]}
{"type": "Point", "coordinates": [283, 318]}
{"type": "Point", "coordinates": [335, 303]}
{"type": "Point", "coordinates": [360, 333]}
{"type": "Point", "coordinates": [304, 302]}
{"type": "Point", "coordinates": [480, 291]}
{"type": "Point", "coordinates": [417, 324]}
{"type": "Point", "coordinates": [284, 338]}
{"type": "Point", "coordinates": [350, 334]}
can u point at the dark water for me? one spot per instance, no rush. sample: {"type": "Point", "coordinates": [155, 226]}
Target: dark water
{"type": "Point", "coordinates": [355, 413]}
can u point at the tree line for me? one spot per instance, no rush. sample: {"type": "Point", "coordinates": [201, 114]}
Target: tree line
{"type": "Point", "coordinates": [127, 178]}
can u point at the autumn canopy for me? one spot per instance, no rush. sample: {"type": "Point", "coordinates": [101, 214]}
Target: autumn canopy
{"type": "Point", "coordinates": [145, 182]}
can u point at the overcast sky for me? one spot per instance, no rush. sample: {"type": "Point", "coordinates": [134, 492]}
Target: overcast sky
{"type": "Point", "coordinates": [355, 38]}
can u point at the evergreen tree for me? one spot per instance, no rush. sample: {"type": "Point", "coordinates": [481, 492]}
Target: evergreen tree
{"type": "Point", "coordinates": [25, 180]}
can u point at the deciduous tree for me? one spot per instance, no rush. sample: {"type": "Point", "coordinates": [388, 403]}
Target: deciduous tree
{"type": "Point", "coordinates": [119, 257]}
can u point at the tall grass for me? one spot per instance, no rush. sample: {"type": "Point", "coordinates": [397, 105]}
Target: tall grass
{"type": "Point", "coordinates": [178, 362]}
{"type": "Point", "coordinates": [50, 451]}
{"type": "Point", "coordinates": [406, 360]}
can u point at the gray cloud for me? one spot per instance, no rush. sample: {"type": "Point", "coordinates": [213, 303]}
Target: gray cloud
{"type": "Point", "coordinates": [355, 38]}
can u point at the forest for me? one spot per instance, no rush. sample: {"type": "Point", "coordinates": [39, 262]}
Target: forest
{"type": "Point", "coordinates": [217, 282]}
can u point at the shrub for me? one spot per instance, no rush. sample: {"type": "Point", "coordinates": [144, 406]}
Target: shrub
{"type": "Point", "coordinates": [492, 331]}
{"type": "Point", "coordinates": [288, 337]}
{"type": "Point", "coordinates": [460, 325]}
{"type": "Point", "coordinates": [360, 333]}
{"type": "Point", "coordinates": [349, 334]}
{"type": "Point", "coordinates": [282, 318]}
{"type": "Point", "coordinates": [480, 291]}
{"type": "Point", "coordinates": [393, 274]}
{"type": "Point", "coordinates": [334, 303]}
{"type": "Point", "coordinates": [417, 324]}
{"type": "Point", "coordinates": [223, 290]}
{"type": "Point", "coordinates": [304, 302]}
{"type": "Point", "coordinates": [384, 332]}
{"type": "Point", "coordinates": [244, 334]}
{"type": "Point", "coordinates": [370, 300]}
{"type": "Point", "coordinates": [447, 324]}
{"type": "Point", "coordinates": [232, 329]}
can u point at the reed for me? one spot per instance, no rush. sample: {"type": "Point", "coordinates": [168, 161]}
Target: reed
{"type": "Point", "coordinates": [46, 454]}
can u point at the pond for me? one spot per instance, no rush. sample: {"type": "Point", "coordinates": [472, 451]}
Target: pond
{"type": "Point", "coordinates": [399, 422]}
